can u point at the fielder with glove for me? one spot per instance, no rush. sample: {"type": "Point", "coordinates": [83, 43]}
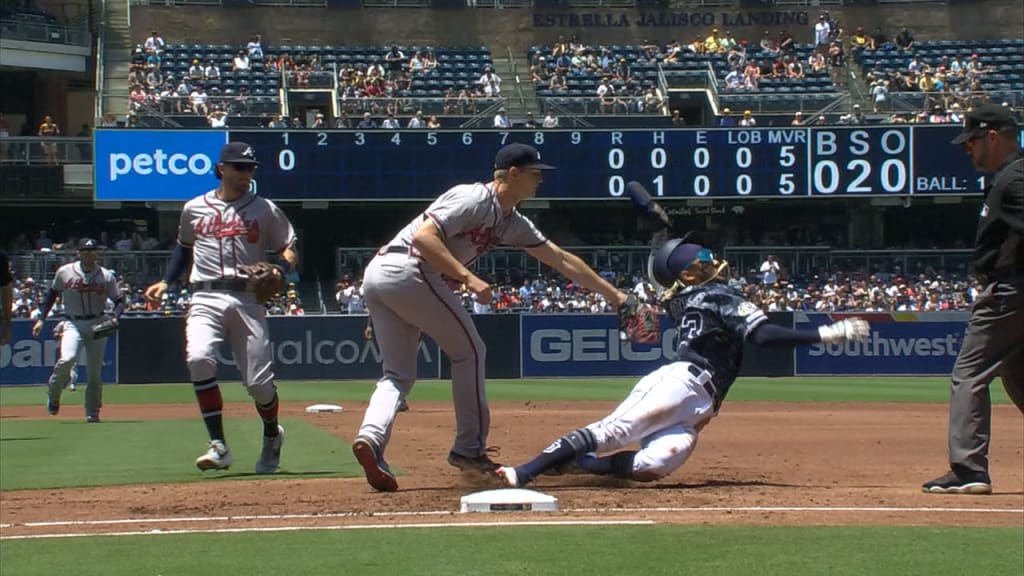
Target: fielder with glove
{"type": "Point", "coordinates": [669, 407]}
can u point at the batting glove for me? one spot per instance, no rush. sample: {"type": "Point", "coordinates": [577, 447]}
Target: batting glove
{"type": "Point", "coordinates": [844, 330]}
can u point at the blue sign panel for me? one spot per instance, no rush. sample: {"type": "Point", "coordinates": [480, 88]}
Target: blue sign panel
{"type": "Point", "coordinates": [588, 345]}
{"type": "Point", "coordinates": [143, 165]}
{"type": "Point", "coordinates": [28, 360]}
{"type": "Point", "coordinates": [720, 163]}
{"type": "Point", "coordinates": [895, 347]}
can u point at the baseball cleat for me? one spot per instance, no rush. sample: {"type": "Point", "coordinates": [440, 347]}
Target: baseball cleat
{"type": "Point", "coordinates": [93, 418]}
{"type": "Point", "coordinates": [508, 476]}
{"type": "Point", "coordinates": [954, 483]}
{"type": "Point", "coordinates": [377, 472]}
{"type": "Point", "coordinates": [482, 464]}
{"type": "Point", "coordinates": [270, 456]}
{"type": "Point", "coordinates": [72, 386]}
{"type": "Point", "coordinates": [52, 407]}
{"type": "Point", "coordinates": [218, 457]}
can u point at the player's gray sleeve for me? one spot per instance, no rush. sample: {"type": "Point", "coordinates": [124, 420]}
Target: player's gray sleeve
{"type": "Point", "coordinates": [281, 234]}
{"type": "Point", "coordinates": [186, 232]}
{"type": "Point", "coordinates": [110, 281]}
{"type": "Point", "coordinates": [461, 208]}
{"type": "Point", "coordinates": [521, 232]}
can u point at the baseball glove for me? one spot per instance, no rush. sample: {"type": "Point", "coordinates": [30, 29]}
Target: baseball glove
{"type": "Point", "coordinates": [266, 280]}
{"type": "Point", "coordinates": [104, 328]}
{"type": "Point", "coordinates": [638, 322]}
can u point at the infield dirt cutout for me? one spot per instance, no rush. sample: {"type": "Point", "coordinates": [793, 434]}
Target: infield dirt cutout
{"type": "Point", "coordinates": [756, 463]}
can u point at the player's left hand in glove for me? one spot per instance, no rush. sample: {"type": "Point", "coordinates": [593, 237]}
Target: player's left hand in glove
{"type": "Point", "coordinates": [845, 330]}
{"type": "Point", "coordinates": [104, 328]}
{"type": "Point", "coordinates": [638, 322]}
{"type": "Point", "coordinates": [266, 280]}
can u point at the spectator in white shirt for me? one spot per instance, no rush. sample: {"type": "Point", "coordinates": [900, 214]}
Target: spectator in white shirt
{"type": "Point", "coordinates": [198, 100]}
{"type": "Point", "coordinates": [748, 119]}
{"type": "Point", "coordinates": [822, 32]}
{"type": "Point", "coordinates": [770, 271]}
{"type": "Point", "coordinates": [501, 119]}
{"type": "Point", "coordinates": [550, 120]}
{"type": "Point", "coordinates": [488, 77]}
{"type": "Point", "coordinates": [155, 43]}
{"type": "Point", "coordinates": [255, 47]}
{"type": "Point", "coordinates": [391, 122]}
{"type": "Point", "coordinates": [124, 243]}
{"type": "Point", "coordinates": [241, 61]}
{"type": "Point", "coordinates": [417, 121]}
{"type": "Point", "coordinates": [212, 72]}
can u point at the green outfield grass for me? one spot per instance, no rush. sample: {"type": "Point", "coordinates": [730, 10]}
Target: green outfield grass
{"type": "Point", "coordinates": [50, 453]}
{"type": "Point", "coordinates": [570, 551]}
{"type": "Point", "coordinates": [819, 389]}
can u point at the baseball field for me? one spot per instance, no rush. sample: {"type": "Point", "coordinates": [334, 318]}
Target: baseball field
{"type": "Point", "coordinates": [795, 476]}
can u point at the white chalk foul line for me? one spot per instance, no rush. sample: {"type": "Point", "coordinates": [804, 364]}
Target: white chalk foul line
{"type": "Point", "coordinates": [675, 509]}
{"type": "Point", "coordinates": [801, 509]}
{"type": "Point", "coordinates": [157, 532]}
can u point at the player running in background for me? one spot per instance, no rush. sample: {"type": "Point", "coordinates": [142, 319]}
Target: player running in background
{"type": "Point", "coordinates": [84, 287]}
{"type": "Point", "coordinates": [220, 232]}
{"type": "Point", "coordinates": [407, 291]}
{"type": "Point", "coordinates": [669, 407]}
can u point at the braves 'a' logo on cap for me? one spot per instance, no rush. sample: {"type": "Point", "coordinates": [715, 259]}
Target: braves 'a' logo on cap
{"type": "Point", "coordinates": [249, 153]}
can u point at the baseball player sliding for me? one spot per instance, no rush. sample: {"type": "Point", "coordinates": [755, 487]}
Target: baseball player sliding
{"type": "Point", "coordinates": [669, 407]}
{"type": "Point", "coordinates": [406, 290]}
{"type": "Point", "coordinates": [224, 236]}
{"type": "Point", "coordinates": [84, 287]}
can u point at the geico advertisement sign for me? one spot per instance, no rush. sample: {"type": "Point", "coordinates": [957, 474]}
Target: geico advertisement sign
{"type": "Point", "coordinates": [595, 345]}
{"type": "Point", "coordinates": [155, 164]}
{"type": "Point", "coordinates": [320, 352]}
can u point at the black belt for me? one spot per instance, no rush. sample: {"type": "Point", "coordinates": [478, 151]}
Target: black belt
{"type": "Point", "coordinates": [92, 317]}
{"type": "Point", "coordinates": [716, 398]}
{"type": "Point", "coordinates": [396, 250]}
{"type": "Point", "coordinates": [233, 285]}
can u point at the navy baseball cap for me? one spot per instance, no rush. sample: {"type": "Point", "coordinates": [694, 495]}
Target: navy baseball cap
{"type": "Point", "coordinates": [985, 117]}
{"type": "Point", "coordinates": [238, 153]}
{"type": "Point", "coordinates": [675, 256]}
{"type": "Point", "coordinates": [519, 156]}
{"type": "Point", "coordinates": [88, 244]}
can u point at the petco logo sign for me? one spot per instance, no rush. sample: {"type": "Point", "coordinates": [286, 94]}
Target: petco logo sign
{"type": "Point", "coordinates": [155, 165]}
{"type": "Point", "coordinates": [159, 163]}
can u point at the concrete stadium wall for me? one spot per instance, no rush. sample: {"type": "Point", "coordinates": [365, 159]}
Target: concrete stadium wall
{"type": "Point", "coordinates": [520, 28]}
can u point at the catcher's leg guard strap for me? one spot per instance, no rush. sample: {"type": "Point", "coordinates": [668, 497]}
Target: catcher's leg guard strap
{"type": "Point", "coordinates": [560, 452]}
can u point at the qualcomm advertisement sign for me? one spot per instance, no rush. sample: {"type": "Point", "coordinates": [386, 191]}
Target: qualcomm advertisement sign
{"type": "Point", "coordinates": [28, 360]}
{"type": "Point", "coordinates": [588, 344]}
{"type": "Point", "coordinates": [173, 165]}
{"type": "Point", "coordinates": [921, 345]}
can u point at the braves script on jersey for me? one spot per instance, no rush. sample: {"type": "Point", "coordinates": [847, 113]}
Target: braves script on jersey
{"type": "Point", "coordinates": [471, 223]}
{"type": "Point", "coordinates": [713, 321]}
{"type": "Point", "coordinates": [226, 235]}
{"type": "Point", "coordinates": [84, 293]}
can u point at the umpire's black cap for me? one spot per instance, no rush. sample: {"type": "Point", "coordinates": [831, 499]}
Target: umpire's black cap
{"type": "Point", "coordinates": [519, 156]}
{"type": "Point", "coordinates": [985, 117]}
{"type": "Point", "coordinates": [88, 244]}
{"type": "Point", "coordinates": [238, 153]}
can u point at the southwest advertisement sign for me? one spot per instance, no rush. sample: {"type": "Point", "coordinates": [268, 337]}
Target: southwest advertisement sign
{"type": "Point", "coordinates": [137, 165]}
{"type": "Point", "coordinates": [901, 343]}
{"type": "Point", "coordinates": [303, 348]}
{"type": "Point", "coordinates": [28, 360]}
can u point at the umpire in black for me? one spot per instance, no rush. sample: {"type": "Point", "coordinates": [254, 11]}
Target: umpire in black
{"type": "Point", "coordinates": [993, 343]}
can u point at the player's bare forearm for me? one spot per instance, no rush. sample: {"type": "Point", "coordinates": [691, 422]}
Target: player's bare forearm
{"type": "Point", "coordinates": [428, 241]}
{"type": "Point", "coordinates": [576, 270]}
{"type": "Point", "coordinates": [291, 256]}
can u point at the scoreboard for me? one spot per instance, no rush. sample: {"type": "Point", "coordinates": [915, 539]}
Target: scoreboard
{"type": "Point", "coordinates": [381, 165]}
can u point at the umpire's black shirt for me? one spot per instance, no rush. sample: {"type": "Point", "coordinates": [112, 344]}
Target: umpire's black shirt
{"type": "Point", "coordinates": [999, 245]}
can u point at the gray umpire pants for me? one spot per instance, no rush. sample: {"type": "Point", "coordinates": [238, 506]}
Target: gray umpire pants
{"type": "Point", "coordinates": [993, 346]}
